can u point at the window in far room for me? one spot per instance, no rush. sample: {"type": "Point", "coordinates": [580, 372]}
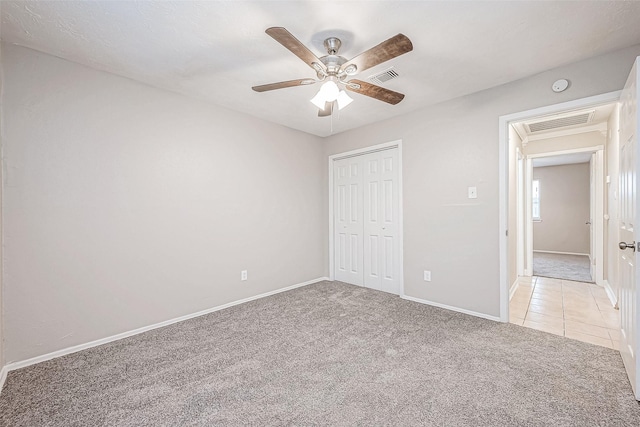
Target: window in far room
{"type": "Point", "coordinates": [535, 202]}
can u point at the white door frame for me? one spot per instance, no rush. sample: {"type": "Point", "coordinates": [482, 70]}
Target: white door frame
{"type": "Point", "coordinates": [503, 176]}
{"type": "Point", "coordinates": [372, 149]}
{"type": "Point", "coordinates": [598, 220]}
{"type": "Point", "coordinates": [520, 220]}
{"type": "Point", "coordinates": [528, 215]}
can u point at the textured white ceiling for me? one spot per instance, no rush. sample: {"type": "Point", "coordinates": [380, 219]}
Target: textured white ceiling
{"type": "Point", "coordinates": [216, 51]}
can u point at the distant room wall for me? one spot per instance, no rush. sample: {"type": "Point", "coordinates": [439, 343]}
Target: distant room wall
{"type": "Point", "coordinates": [564, 209]}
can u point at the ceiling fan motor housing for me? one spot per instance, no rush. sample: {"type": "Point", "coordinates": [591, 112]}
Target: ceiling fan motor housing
{"type": "Point", "coordinates": [332, 44]}
{"type": "Point", "coordinates": [333, 63]}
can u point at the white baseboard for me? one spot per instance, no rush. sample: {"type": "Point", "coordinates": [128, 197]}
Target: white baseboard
{"type": "Point", "coordinates": [32, 361]}
{"type": "Point", "coordinates": [612, 296]}
{"type": "Point", "coordinates": [448, 307]}
{"type": "Point", "coordinates": [563, 253]}
{"type": "Point", "coordinates": [514, 287]}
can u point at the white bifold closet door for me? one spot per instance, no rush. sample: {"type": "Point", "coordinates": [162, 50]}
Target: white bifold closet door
{"type": "Point", "coordinates": [348, 223]}
{"type": "Point", "coordinates": [366, 220]}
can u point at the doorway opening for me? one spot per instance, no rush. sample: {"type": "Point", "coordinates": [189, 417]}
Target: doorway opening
{"type": "Point", "coordinates": [566, 204]}
{"type": "Point", "coordinates": [558, 183]}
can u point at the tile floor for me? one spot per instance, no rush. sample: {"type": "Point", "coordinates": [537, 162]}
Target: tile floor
{"type": "Point", "coordinates": [576, 310]}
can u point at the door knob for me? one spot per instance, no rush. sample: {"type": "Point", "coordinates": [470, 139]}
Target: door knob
{"type": "Point", "coordinates": [623, 245]}
{"type": "Point", "coordinates": [588, 222]}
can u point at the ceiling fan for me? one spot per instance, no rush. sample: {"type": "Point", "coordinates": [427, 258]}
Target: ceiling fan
{"type": "Point", "coordinates": [334, 70]}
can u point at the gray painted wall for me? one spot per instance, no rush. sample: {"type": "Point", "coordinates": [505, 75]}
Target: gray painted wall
{"type": "Point", "coordinates": [564, 209]}
{"type": "Point", "coordinates": [569, 142]}
{"type": "Point", "coordinates": [451, 146]}
{"type": "Point", "coordinates": [126, 205]}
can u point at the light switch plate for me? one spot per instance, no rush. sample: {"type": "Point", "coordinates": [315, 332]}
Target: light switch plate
{"type": "Point", "coordinates": [427, 276]}
{"type": "Point", "coordinates": [473, 193]}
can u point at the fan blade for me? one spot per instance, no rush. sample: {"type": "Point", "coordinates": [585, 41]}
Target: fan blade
{"type": "Point", "coordinates": [374, 91]}
{"type": "Point", "coordinates": [286, 39]}
{"type": "Point", "coordinates": [388, 49]}
{"type": "Point", "coordinates": [281, 85]}
{"type": "Point", "coordinates": [327, 110]}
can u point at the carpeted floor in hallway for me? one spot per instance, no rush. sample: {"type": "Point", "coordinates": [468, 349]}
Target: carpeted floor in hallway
{"type": "Point", "coordinates": [562, 266]}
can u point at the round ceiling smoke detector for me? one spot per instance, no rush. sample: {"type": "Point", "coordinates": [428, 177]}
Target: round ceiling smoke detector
{"type": "Point", "coordinates": [560, 85]}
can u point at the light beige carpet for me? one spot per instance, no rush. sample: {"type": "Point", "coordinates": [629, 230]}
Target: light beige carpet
{"type": "Point", "coordinates": [328, 354]}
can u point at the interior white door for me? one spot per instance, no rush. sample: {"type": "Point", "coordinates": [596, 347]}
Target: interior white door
{"type": "Point", "coordinates": [628, 229]}
{"type": "Point", "coordinates": [381, 221]}
{"type": "Point", "coordinates": [348, 224]}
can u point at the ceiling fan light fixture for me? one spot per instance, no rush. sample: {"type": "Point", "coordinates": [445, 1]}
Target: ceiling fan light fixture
{"type": "Point", "coordinates": [343, 100]}
{"type": "Point", "coordinates": [318, 100]}
{"type": "Point", "coordinates": [329, 92]}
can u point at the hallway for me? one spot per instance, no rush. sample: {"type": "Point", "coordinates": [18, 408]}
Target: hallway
{"type": "Point", "coordinates": [562, 266]}
{"type": "Point", "coordinates": [575, 310]}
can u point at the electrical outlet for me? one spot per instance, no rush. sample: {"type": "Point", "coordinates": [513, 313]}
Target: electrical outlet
{"type": "Point", "coordinates": [243, 275]}
{"type": "Point", "coordinates": [427, 276]}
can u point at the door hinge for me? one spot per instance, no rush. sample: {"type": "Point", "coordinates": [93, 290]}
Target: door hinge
{"type": "Point", "coordinates": [506, 233]}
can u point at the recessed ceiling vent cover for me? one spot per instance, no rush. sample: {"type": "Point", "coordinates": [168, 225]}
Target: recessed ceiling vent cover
{"type": "Point", "coordinates": [566, 120]}
{"type": "Point", "coordinates": [384, 76]}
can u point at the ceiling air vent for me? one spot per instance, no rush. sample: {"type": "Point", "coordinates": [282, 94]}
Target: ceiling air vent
{"type": "Point", "coordinates": [581, 118]}
{"type": "Point", "coordinates": [384, 76]}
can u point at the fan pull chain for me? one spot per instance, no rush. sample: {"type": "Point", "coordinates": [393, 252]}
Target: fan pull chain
{"type": "Point", "coordinates": [331, 116]}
